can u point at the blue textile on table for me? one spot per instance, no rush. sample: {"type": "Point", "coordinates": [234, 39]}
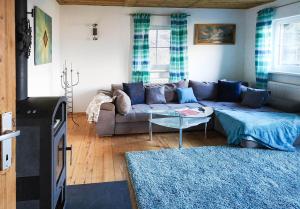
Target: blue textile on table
{"type": "Point", "coordinates": [273, 129]}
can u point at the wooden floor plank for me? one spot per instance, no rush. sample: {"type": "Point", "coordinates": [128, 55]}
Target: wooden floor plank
{"type": "Point", "coordinates": [102, 159]}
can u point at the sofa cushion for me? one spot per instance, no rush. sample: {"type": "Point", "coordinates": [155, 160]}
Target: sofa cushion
{"type": "Point", "coordinates": [135, 91]}
{"type": "Point", "coordinates": [229, 91]}
{"type": "Point", "coordinates": [204, 90]}
{"type": "Point", "coordinates": [138, 113]}
{"type": "Point", "coordinates": [255, 98]}
{"type": "Point", "coordinates": [155, 95]}
{"type": "Point", "coordinates": [122, 102]}
{"type": "Point", "coordinates": [186, 95]}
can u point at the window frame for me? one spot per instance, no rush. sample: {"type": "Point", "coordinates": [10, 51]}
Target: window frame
{"type": "Point", "coordinates": [162, 70]}
{"type": "Point", "coordinates": [277, 67]}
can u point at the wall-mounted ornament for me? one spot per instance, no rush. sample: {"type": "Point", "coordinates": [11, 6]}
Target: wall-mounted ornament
{"type": "Point", "coordinates": [42, 37]}
{"type": "Point", "coordinates": [95, 31]}
{"type": "Point", "coordinates": [24, 37]}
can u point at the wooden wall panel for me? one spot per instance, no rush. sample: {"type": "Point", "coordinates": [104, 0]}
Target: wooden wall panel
{"type": "Point", "coordinates": [7, 94]}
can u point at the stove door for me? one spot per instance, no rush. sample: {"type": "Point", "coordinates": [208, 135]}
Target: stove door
{"type": "Point", "coordinates": [59, 166]}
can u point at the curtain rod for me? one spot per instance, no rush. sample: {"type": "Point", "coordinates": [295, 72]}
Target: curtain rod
{"type": "Point", "coordinates": [163, 15]}
{"type": "Point", "coordinates": [284, 5]}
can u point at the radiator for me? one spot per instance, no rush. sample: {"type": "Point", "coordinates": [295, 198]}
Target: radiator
{"type": "Point", "coordinates": [284, 91]}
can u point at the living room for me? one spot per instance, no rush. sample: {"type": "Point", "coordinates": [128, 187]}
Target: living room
{"type": "Point", "coordinates": [150, 104]}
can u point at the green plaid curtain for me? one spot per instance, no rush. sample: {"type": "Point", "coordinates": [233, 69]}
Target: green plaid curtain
{"type": "Point", "coordinates": [263, 46]}
{"type": "Point", "coordinates": [178, 48]}
{"type": "Point", "coordinates": [140, 62]}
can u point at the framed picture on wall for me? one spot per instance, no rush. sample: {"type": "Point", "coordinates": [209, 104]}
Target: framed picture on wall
{"type": "Point", "coordinates": [206, 34]}
{"type": "Point", "coordinates": [42, 37]}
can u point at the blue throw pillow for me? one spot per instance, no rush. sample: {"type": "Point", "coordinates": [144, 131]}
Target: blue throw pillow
{"type": "Point", "coordinates": [229, 91]}
{"type": "Point", "coordinates": [186, 95]}
{"type": "Point", "coordinates": [136, 92]}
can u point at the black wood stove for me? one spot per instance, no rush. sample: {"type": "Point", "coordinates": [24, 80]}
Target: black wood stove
{"type": "Point", "coordinates": [41, 153]}
{"type": "Point", "coordinates": [41, 148]}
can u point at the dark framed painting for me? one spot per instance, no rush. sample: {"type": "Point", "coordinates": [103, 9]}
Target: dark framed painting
{"type": "Point", "coordinates": [42, 37]}
{"type": "Point", "coordinates": [217, 34]}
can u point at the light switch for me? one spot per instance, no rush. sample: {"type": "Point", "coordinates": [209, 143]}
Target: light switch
{"type": "Point", "coordinates": [6, 125]}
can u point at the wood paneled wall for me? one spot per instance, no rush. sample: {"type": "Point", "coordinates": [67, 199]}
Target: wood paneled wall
{"type": "Point", "coordinates": [7, 94]}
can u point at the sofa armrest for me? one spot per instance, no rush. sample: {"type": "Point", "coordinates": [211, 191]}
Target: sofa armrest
{"type": "Point", "coordinates": [106, 121]}
{"type": "Point", "coordinates": [108, 106]}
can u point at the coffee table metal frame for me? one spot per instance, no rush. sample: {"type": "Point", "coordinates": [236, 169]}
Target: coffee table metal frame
{"type": "Point", "coordinates": [175, 120]}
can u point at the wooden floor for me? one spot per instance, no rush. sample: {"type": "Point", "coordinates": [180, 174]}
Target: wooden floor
{"type": "Point", "coordinates": [102, 159]}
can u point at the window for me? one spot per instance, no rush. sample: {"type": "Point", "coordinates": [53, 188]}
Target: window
{"type": "Point", "coordinates": [287, 45]}
{"type": "Point", "coordinates": [159, 41]}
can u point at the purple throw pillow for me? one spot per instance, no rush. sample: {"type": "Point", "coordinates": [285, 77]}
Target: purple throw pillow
{"type": "Point", "coordinates": [255, 98]}
{"type": "Point", "coordinates": [204, 90]}
{"type": "Point", "coordinates": [155, 95]}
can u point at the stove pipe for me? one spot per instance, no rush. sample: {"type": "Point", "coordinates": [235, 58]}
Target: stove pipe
{"type": "Point", "coordinates": [21, 57]}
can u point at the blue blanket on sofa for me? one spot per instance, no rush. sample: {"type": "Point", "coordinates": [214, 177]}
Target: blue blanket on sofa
{"type": "Point", "coordinates": [273, 129]}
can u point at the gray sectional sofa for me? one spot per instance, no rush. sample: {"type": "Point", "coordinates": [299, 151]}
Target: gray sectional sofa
{"type": "Point", "coordinates": [111, 122]}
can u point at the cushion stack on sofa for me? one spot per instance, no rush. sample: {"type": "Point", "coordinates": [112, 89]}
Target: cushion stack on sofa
{"type": "Point", "coordinates": [131, 112]}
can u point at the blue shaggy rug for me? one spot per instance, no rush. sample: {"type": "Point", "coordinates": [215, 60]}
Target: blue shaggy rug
{"type": "Point", "coordinates": [215, 178]}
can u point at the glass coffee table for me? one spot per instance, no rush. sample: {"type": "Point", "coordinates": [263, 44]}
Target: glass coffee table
{"type": "Point", "coordinates": [174, 119]}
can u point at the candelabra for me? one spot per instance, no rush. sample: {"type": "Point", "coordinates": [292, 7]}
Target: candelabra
{"type": "Point", "coordinates": [67, 83]}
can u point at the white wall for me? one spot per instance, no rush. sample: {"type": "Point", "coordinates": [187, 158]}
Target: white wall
{"type": "Point", "coordinates": [43, 80]}
{"type": "Point", "coordinates": [251, 14]}
{"type": "Point", "coordinates": [107, 60]}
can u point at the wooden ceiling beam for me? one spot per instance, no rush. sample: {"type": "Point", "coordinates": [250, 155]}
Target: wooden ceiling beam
{"type": "Point", "coordinates": [225, 4]}
{"type": "Point", "coordinates": [129, 3]}
{"type": "Point", "coordinates": [92, 2]}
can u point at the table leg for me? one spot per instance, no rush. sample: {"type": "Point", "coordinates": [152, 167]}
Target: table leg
{"type": "Point", "coordinates": [180, 138]}
{"type": "Point", "coordinates": [150, 127]}
{"type": "Point", "coordinates": [180, 132]}
{"type": "Point", "coordinates": [205, 131]}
